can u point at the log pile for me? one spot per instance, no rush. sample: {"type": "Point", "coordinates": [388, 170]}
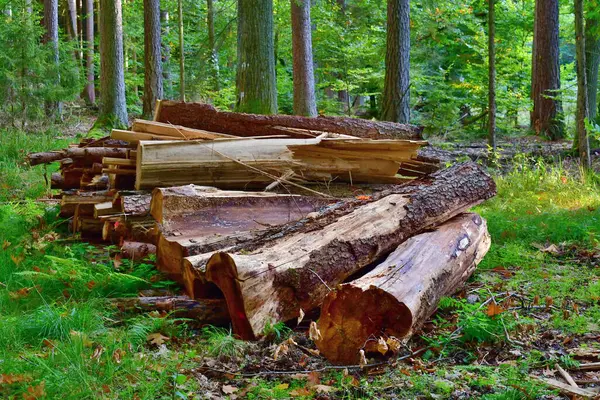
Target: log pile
{"type": "Point", "coordinates": [376, 265]}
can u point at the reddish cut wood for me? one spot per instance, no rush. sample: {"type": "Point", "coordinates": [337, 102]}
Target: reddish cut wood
{"type": "Point", "coordinates": [398, 295]}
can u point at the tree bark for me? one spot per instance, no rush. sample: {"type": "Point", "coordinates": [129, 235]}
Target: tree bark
{"type": "Point", "coordinates": [181, 52]}
{"type": "Point", "coordinates": [113, 108]}
{"type": "Point", "coordinates": [256, 82]}
{"type": "Point", "coordinates": [582, 94]}
{"type": "Point", "coordinates": [272, 280]}
{"type": "Point", "coordinates": [53, 108]}
{"type": "Point", "coordinates": [72, 6]}
{"type": "Point", "coordinates": [205, 116]}
{"type": "Point", "coordinates": [492, 74]}
{"type": "Point", "coordinates": [592, 61]}
{"type": "Point", "coordinates": [89, 93]}
{"type": "Point", "coordinates": [304, 78]}
{"type": "Point", "coordinates": [166, 55]}
{"type": "Point", "coordinates": [398, 295]}
{"type": "Point", "coordinates": [396, 96]}
{"type": "Point", "coordinates": [137, 250]}
{"type": "Point", "coordinates": [212, 45]}
{"type": "Point", "coordinates": [153, 86]}
{"type": "Point", "coordinates": [547, 108]}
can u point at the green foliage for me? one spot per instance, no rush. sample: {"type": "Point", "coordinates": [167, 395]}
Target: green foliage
{"type": "Point", "coordinates": [221, 343]}
{"type": "Point", "coordinates": [276, 332]}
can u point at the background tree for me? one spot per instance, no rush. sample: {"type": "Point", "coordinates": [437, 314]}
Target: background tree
{"type": "Point", "coordinates": [89, 92]}
{"type": "Point", "coordinates": [256, 81]}
{"type": "Point", "coordinates": [546, 117]}
{"type": "Point", "coordinates": [181, 52]}
{"type": "Point", "coordinates": [396, 95]}
{"type": "Point", "coordinates": [113, 107]}
{"type": "Point", "coordinates": [153, 86]}
{"type": "Point", "coordinates": [53, 107]}
{"type": "Point", "coordinates": [582, 96]}
{"type": "Point", "coordinates": [304, 77]}
{"type": "Point", "coordinates": [492, 74]}
{"type": "Point", "coordinates": [592, 55]}
{"type": "Point", "coordinates": [212, 45]}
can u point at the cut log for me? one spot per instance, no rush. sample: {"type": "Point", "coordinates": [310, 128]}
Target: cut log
{"type": "Point", "coordinates": [271, 280]}
{"type": "Point", "coordinates": [45, 157]}
{"type": "Point", "coordinates": [170, 130]}
{"type": "Point", "coordinates": [205, 311]}
{"type": "Point", "coordinates": [398, 295]}
{"type": "Point", "coordinates": [205, 116]}
{"type": "Point", "coordinates": [137, 250]}
{"type": "Point", "coordinates": [106, 208]}
{"type": "Point", "coordinates": [137, 204]}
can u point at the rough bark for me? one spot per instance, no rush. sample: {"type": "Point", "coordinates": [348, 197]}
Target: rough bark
{"type": "Point", "coordinates": [492, 74]}
{"type": "Point", "coordinates": [304, 78]}
{"type": "Point", "coordinates": [205, 116]}
{"type": "Point", "coordinates": [205, 311]}
{"type": "Point", "coordinates": [396, 297]}
{"type": "Point", "coordinates": [113, 107]}
{"type": "Point", "coordinates": [256, 82]}
{"type": "Point", "coordinates": [546, 117]}
{"type": "Point", "coordinates": [89, 93]}
{"type": "Point", "coordinates": [53, 108]}
{"type": "Point", "coordinates": [153, 86]}
{"type": "Point", "coordinates": [90, 154]}
{"type": "Point", "coordinates": [396, 96]}
{"type": "Point", "coordinates": [166, 55]}
{"type": "Point", "coordinates": [181, 52]}
{"type": "Point", "coordinates": [592, 61]}
{"type": "Point", "coordinates": [212, 46]}
{"type": "Point", "coordinates": [138, 204]}
{"type": "Point", "coordinates": [272, 280]}
{"type": "Point", "coordinates": [583, 141]}
{"type": "Point", "coordinates": [137, 250]}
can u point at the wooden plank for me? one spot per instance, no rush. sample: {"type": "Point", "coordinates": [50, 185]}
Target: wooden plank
{"type": "Point", "coordinates": [175, 131]}
{"type": "Point", "coordinates": [118, 161]}
{"type": "Point", "coordinates": [135, 137]}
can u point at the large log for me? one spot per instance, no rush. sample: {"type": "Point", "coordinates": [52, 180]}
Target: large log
{"type": "Point", "coordinates": [205, 311]}
{"type": "Point", "coordinates": [271, 280]}
{"type": "Point", "coordinates": [398, 295]}
{"type": "Point", "coordinates": [205, 116]}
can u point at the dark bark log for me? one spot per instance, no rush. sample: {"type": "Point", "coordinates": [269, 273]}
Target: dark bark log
{"type": "Point", "coordinates": [396, 96]}
{"type": "Point", "coordinates": [304, 78]}
{"type": "Point", "coordinates": [398, 295]}
{"type": "Point", "coordinates": [206, 311]}
{"type": "Point", "coordinates": [89, 93]}
{"type": "Point", "coordinates": [136, 250]}
{"type": "Point", "coordinates": [113, 109]}
{"type": "Point", "coordinates": [256, 82]}
{"type": "Point", "coordinates": [492, 74]}
{"type": "Point", "coordinates": [212, 46]}
{"type": "Point", "coordinates": [583, 141]}
{"type": "Point", "coordinates": [153, 86]}
{"type": "Point", "coordinates": [546, 118]}
{"type": "Point", "coordinates": [205, 116]}
{"type": "Point", "coordinates": [592, 61]}
{"type": "Point", "coordinates": [271, 280]}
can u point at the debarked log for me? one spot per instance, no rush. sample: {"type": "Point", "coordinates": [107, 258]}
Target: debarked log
{"type": "Point", "coordinates": [398, 295]}
{"type": "Point", "coordinates": [295, 270]}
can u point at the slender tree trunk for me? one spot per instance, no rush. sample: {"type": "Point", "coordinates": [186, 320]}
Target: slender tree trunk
{"type": "Point", "coordinates": [214, 55]}
{"type": "Point", "coordinates": [547, 108]}
{"type": "Point", "coordinates": [181, 52]}
{"type": "Point", "coordinates": [492, 74]}
{"type": "Point", "coordinates": [89, 93]}
{"type": "Point", "coordinates": [72, 5]}
{"type": "Point", "coordinates": [396, 95]}
{"type": "Point", "coordinates": [582, 98]}
{"type": "Point", "coordinates": [166, 48]}
{"type": "Point", "coordinates": [113, 109]}
{"type": "Point", "coordinates": [342, 95]}
{"type": "Point", "coordinates": [304, 78]}
{"type": "Point", "coordinates": [256, 81]}
{"type": "Point", "coordinates": [592, 61]}
{"type": "Point", "coordinates": [51, 37]}
{"type": "Point", "coordinates": [153, 88]}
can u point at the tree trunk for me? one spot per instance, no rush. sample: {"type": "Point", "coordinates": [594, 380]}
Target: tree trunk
{"type": "Point", "coordinates": [181, 52]}
{"type": "Point", "coordinates": [53, 108]}
{"type": "Point", "coordinates": [592, 61]}
{"type": "Point", "coordinates": [304, 78]}
{"type": "Point", "coordinates": [113, 108]}
{"type": "Point", "coordinates": [212, 45]}
{"type": "Point", "coordinates": [153, 87]}
{"type": "Point", "coordinates": [272, 280]}
{"type": "Point", "coordinates": [89, 93]}
{"type": "Point", "coordinates": [492, 74]}
{"type": "Point", "coordinates": [398, 295]}
{"type": "Point", "coordinates": [547, 107]}
{"type": "Point", "coordinates": [256, 82]}
{"type": "Point", "coordinates": [166, 55]}
{"type": "Point", "coordinates": [137, 250]}
{"type": "Point", "coordinates": [72, 6]}
{"type": "Point", "coordinates": [396, 96]}
{"type": "Point", "coordinates": [582, 97]}
{"type": "Point", "coordinates": [206, 117]}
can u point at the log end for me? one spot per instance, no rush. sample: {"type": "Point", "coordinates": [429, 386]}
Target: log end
{"type": "Point", "coordinates": [353, 318]}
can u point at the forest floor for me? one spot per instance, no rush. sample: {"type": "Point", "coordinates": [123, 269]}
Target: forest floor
{"type": "Point", "coordinates": [532, 305]}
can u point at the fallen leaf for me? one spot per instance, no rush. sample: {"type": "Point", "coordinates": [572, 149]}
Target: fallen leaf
{"type": "Point", "coordinates": [363, 360]}
{"type": "Point", "coordinates": [382, 346]}
{"type": "Point", "coordinates": [549, 301]}
{"type": "Point", "coordinates": [323, 388]}
{"type": "Point", "coordinates": [9, 379]}
{"type": "Point", "coordinates": [393, 344]}
{"type": "Point", "coordinates": [314, 378]}
{"type": "Point", "coordinates": [363, 198]}
{"type": "Point", "coordinates": [19, 294]}
{"type": "Point", "coordinates": [313, 333]}
{"type": "Point", "coordinates": [228, 389]}
{"type": "Point", "coordinates": [314, 352]}
{"type": "Point", "coordinates": [157, 338]}
{"type": "Point", "coordinates": [300, 392]}
{"type": "Point", "coordinates": [17, 259]}
{"type": "Point", "coordinates": [6, 245]}
{"type": "Point", "coordinates": [35, 392]}
{"type": "Point", "coordinates": [48, 343]}
{"type": "Point", "coordinates": [97, 353]}
{"type": "Point", "coordinates": [118, 355]}
{"type": "Point", "coordinates": [281, 350]}
{"type": "Point", "coordinates": [300, 316]}
{"type": "Point", "coordinates": [494, 309]}
{"type": "Point", "coordinates": [282, 386]}
{"type": "Point", "coordinates": [90, 285]}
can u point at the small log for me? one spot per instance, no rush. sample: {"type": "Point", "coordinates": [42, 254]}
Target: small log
{"type": "Point", "coordinates": [90, 228]}
{"type": "Point", "coordinates": [138, 205]}
{"type": "Point", "coordinates": [137, 250]}
{"type": "Point", "coordinates": [45, 157]}
{"type": "Point", "coordinates": [96, 154]}
{"type": "Point", "coordinates": [271, 280]}
{"type": "Point", "coordinates": [566, 376]}
{"type": "Point", "coordinates": [205, 116]}
{"type": "Point", "coordinates": [398, 295]}
{"type": "Point", "coordinates": [205, 311]}
{"type": "Point", "coordinates": [123, 162]}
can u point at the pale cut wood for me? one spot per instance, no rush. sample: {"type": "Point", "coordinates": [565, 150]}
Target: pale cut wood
{"type": "Point", "coordinates": [105, 208]}
{"type": "Point", "coordinates": [175, 131]}
{"type": "Point", "coordinates": [122, 162]}
{"type": "Point", "coordinates": [115, 171]}
{"type": "Point", "coordinates": [398, 295]}
{"type": "Point", "coordinates": [135, 137]}
{"type": "Point", "coordinates": [271, 280]}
